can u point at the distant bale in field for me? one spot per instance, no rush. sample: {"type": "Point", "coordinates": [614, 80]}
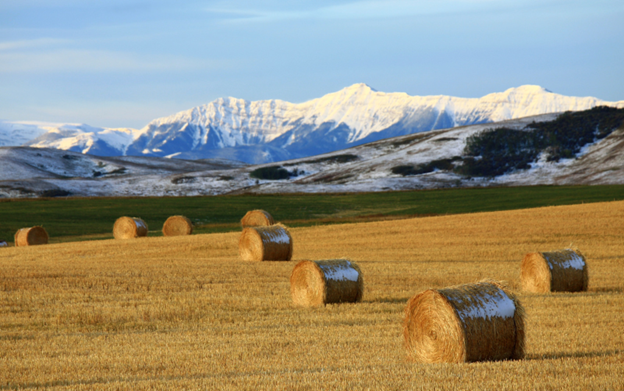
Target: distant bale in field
{"type": "Point", "coordinates": [272, 243]}
{"type": "Point", "coordinates": [129, 228]}
{"type": "Point", "coordinates": [3, 243]}
{"type": "Point", "coordinates": [557, 271]}
{"type": "Point", "coordinates": [316, 283]}
{"type": "Point", "coordinates": [257, 218]}
{"type": "Point", "coordinates": [177, 225]}
{"type": "Point", "coordinates": [31, 236]}
{"type": "Point", "coordinates": [465, 323]}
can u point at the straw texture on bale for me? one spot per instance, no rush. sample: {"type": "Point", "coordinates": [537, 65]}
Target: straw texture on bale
{"type": "Point", "coordinates": [557, 271]}
{"type": "Point", "coordinates": [465, 323]}
{"type": "Point", "coordinates": [31, 236]}
{"type": "Point", "coordinates": [257, 218]}
{"type": "Point", "coordinates": [3, 243]}
{"type": "Point", "coordinates": [316, 283]}
{"type": "Point", "coordinates": [272, 243]}
{"type": "Point", "coordinates": [177, 225]}
{"type": "Point", "coordinates": [129, 228]}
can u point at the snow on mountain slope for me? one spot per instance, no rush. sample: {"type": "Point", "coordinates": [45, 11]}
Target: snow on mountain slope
{"type": "Point", "coordinates": [85, 139]}
{"type": "Point", "coordinates": [349, 117]}
{"type": "Point", "coordinates": [18, 133]}
{"type": "Point", "coordinates": [71, 137]}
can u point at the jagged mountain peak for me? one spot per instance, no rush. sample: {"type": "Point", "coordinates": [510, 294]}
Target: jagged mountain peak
{"type": "Point", "coordinates": [528, 89]}
{"type": "Point", "coordinates": [352, 94]}
{"type": "Point", "coordinates": [359, 87]}
{"type": "Point", "coordinates": [524, 92]}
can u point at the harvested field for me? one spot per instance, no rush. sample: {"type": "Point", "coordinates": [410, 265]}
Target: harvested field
{"type": "Point", "coordinates": [187, 313]}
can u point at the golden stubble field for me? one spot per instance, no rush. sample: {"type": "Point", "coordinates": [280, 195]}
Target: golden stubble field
{"type": "Point", "coordinates": [186, 313]}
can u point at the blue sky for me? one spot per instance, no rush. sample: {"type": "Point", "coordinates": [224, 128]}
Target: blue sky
{"type": "Point", "coordinates": [123, 63]}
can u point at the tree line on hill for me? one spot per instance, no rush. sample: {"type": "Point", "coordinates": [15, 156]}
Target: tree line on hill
{"type": "Point", "coordinates": [497, 151]}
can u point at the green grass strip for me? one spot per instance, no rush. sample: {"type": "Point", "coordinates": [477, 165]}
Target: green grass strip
{"type": "Point", "coordinates": [93, 218]}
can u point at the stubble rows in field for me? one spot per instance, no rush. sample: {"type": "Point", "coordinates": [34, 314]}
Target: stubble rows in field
{"type": "Point", "coordinates": [185, 312]}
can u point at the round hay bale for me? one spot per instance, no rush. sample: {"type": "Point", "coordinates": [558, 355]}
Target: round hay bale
{"type": "Point", "coordinates": [177, 225]}
{"type": "Point", "coordinates": [31, 236]}
{"type": "Point", "coordinates": [129, 228]}
{"type": "Point", "coordinates": [556, 271]}
{"type": "Point", "coordinates": [272, 243]}
{"type": "Point", "coordinates": [316, 283]}
{"type": "Point", "coordinates": [465, 323]}
{"type": "Point", "coordinates": [3, 243]}
{"type": "Point", "coordinates": [257, 218]}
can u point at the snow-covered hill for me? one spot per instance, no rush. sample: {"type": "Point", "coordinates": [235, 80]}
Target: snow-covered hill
{"type": "Point", "coordinates": [37, 172]}
{"type": "Point", "coordinates": [275, 130]}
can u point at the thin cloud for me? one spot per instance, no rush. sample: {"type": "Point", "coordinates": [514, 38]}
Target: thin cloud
{"type": "Point", "coordinates": [30, 43]}
{"type": "Point", "coordinates": [236, 15]}
{"type": "Point", "coordinates": [65, 60]}
{"type": "Point", "coordinates": [367, 9]}
{"type": "Point", "coordinates": [398, 8]}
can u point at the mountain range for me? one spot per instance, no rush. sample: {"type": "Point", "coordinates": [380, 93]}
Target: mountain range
{"type": "Point", "coordinates": [257, 132]}
{"type": "Point", "coordinates": [427, 160]}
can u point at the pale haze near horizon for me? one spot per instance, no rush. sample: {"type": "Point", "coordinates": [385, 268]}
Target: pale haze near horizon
{"type": "Point", "coordinates": [124, 63]}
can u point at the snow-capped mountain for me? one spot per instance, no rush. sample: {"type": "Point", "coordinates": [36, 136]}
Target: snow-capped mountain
{"type": "Point", "coordinates": [71, 137]}
{"type": "Point", "coordinates": [85, 139]}
{"type": "Point", "coordinates": [275, 130]}
{"type": "Point", "coordinates": [18, 133]}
